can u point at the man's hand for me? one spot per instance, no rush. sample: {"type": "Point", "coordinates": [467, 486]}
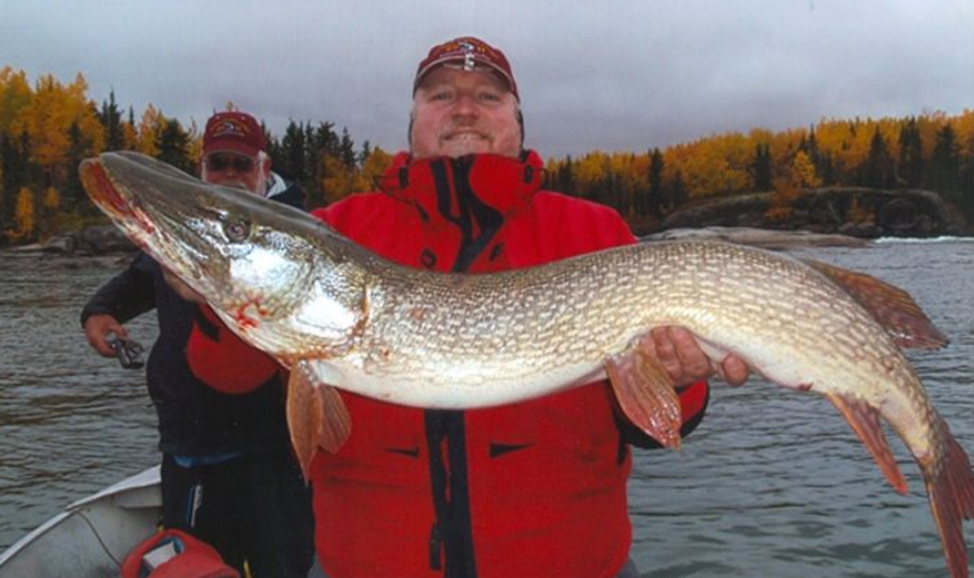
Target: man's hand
{"type": "Point", "coordinates": [97, 329]}
{"type": "Point", "coordinates": [678, 351]}
{"type": "Point", "coordinates": [181, 289]}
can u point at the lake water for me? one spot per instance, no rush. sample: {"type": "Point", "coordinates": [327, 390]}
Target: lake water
{"type": "Point", "coordinates": [773, 483]}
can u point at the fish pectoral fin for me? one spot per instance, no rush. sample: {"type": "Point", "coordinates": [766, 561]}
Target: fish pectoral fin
{"type": "Point", "coordinates": [316, 415]}
{"type": "Point", "coordinates": [864, 420]}
{"type": "Point", "coordinates": [889, 305]}
{"type": "Point", "coordinates": [646, 394]}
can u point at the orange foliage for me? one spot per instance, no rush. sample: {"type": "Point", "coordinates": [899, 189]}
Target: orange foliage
{"type": "Point", "coordinates": [782, 200]}
{"type": "Point", "coordinates": [148, 131]}
{"type": "Point", "coordinates": [48, 118]}
{"type": "Point", "coordinates": [15, 94]}
{"type": "Point", "coordinates": [372, 168]}
{"type": "Point", "coordinates": [24, 220]}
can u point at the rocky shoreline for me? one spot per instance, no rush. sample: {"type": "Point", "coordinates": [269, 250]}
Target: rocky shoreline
{"type": "Point", "coordinates": [764, 238]}
{"type": "Point", "coordinates": [102, 245]}
{"type": "Point", "coordinates": [851, 211]}
{"type": "Point", "coordinates": [105, 246]}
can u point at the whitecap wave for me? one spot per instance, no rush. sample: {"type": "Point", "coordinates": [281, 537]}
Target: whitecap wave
{"type": "Point", "coordinates": [917, 240]}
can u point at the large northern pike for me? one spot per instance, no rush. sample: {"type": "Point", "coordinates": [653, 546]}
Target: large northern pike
{"type": "Point", "coordinates": [340, 316]}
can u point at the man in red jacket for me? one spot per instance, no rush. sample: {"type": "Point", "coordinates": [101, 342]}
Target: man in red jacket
{"type": "Point", "coordinates": [536, 488]}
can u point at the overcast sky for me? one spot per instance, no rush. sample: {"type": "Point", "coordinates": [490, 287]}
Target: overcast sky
{"type": "Point", "coordinates": [608, 75]}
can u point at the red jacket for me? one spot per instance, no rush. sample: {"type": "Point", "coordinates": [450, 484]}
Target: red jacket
{"type": "Point", "coordinates": [536, 488]}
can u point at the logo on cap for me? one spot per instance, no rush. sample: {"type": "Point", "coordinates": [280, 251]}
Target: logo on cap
{"type": "Point", "coordinates": [229, 128]}
{"type": "Point", "coordinates": [472, 52]}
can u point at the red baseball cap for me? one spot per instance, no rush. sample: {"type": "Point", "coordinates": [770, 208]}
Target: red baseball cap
{"type": "Point", "coordinates": [470, 52]}
{"type": "Point", "coordinates": [233, 131]}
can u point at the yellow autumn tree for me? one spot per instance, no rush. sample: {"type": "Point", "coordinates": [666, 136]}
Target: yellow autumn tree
{"type": "Point", "coordinates": [58, 118]}
{"type": "Point", "coordinates": [130, 136]}
{"type": "Point", "coordinates": [23, 216]}
{"type": "Point", "coordinates": [964, 127]}
{"type": "Point", "coordinates": [782, 200]}
{"type": "Point", "coordinates": [373, 168]}
{"type": "Point", "coordinates": [803, 172]}
{"type": "Point", "coordinates": [590, 172]}
{"type": "Point", "coordinates": [335, 180]}
{"type": "Point", "coordinates": [787, 188]}
{"type": "Point", "coordinates": [195, 149]}
{"type": "Point", "coordinates": [148, 131]}
{"type": "Point", "coordinates": [719, 164]}
{"type": "Point", "coordinates": [15, 94]}
{"type": "Point", "coordinates": [51, 201]}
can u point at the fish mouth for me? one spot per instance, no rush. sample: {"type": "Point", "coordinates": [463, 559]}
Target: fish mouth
{"type": "Point", "coordinates": [109, 197]}
{"type": "Point", "coordinates": [153, 236]}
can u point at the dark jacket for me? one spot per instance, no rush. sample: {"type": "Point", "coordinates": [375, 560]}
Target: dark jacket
{"type": "Point", "coordinates": [193, 419]}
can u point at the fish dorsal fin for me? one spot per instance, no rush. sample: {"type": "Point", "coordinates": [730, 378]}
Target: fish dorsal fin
{"type": "Point", "coordinates": [646, 394]}
{"type": "Point", "coordinates": [891, 306]}
{"type": "Point", "coordinates": [316, 415]}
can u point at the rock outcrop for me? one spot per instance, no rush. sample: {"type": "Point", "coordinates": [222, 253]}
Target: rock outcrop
{"type": "Point", "coordinates": [94, 240]}
{"type": "Point", "coordinates": [765, 238]}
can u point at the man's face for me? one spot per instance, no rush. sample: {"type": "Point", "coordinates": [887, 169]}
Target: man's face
{"type": "Point", "coordinates": [456, 112]}
{"type": "Point", "coordinates": [232, 169]}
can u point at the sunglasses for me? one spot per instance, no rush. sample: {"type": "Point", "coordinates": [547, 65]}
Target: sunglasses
{"type": "Point", "coordinates": [240, 164]}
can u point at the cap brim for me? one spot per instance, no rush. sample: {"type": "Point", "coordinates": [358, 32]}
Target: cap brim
{"type": "Point", "coordinates": [231, 146]}
{"type": "Point", "coordinates": [462, 58]}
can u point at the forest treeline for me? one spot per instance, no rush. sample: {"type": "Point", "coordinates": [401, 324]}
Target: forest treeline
{"type": "Point", "coordinates": [48, 127]}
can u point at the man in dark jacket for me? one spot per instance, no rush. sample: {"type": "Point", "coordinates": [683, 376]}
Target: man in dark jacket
{"type": "Point", "coordinates": [228, 474]}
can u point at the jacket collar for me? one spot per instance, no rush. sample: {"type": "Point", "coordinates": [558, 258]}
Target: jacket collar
{"type": "Point", "coordinates": [503, 183]}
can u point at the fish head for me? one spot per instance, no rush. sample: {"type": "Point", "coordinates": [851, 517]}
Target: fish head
{"type": "Point", "coordinates": [253, 260]}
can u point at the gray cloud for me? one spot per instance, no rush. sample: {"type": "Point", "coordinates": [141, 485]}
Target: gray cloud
{"type": "Point", "coordinates": [620, 75]}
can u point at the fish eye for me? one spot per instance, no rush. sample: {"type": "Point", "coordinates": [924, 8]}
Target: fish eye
{"type": "Point", "coordinates": [236, 231]}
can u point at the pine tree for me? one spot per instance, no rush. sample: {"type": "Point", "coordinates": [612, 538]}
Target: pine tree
{"type": "Point", "coordinates": [365, 153]}
{"type": "Point", "coordinates": [74, 194]}
{"type": "Point", "coordinates": [565, 181]}
{"type": "Point", "coordinates": [944, 163]}
{"type": "Point", "coordinates": [827, 171]}
{"type": "Point", "coordinates": [347, 150]}
{"type": "Point", "coordinates": [173, 145]}
{"type": "Point", "coordinates": [654, 197]}
{"type": "Point", "coordinates": [677, 193]}
{"type": "Point", "coordinates": [14, 172]}
{"type": "Point", "coordinates": [292, 153]}
{"type": "Point", "coordinates": [761, 167]}
{"type": "Point", "coordinates": [910, 166]}
{"type": "Point", "coordinates": [878, 169]}
{"type": "Point", "coordinates": [322, 149]}
{"type": "Point", "coordinates": [111, 119]}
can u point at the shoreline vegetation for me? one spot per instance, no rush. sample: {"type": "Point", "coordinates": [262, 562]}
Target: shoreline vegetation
{"type": "Point", "coordinates": [910, 176]}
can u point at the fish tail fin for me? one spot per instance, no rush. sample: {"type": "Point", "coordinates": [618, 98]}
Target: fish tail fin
{"type": "Point", "coordinates": [646, 394]}
{"type": "Point", "coordinates": [864, 420]}
{"type": "Point", "coordinates": [316, 416]}
{"type": "Point", "coordinates": [950, 489]}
